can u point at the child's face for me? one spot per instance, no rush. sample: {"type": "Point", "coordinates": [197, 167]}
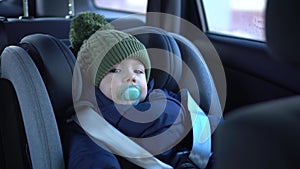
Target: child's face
{"type": "Point", "coordinates": [128, 72]}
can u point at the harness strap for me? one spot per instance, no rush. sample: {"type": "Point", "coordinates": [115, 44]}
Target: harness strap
{"type": "Point", "coordinates": [116, 141]}
{"type": "Point", "coordinates": [201, 149]}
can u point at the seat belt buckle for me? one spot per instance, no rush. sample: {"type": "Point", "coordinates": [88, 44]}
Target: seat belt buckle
{"type": "Point", "coordinates": [182, 161]}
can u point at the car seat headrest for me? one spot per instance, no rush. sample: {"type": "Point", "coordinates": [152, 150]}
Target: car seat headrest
{"type": "Point", "coordinates": [166, 63]}
{"type": "Point", "coordinates": [283, 30]}
{"type": "Point", "coordinates": [55, 63]}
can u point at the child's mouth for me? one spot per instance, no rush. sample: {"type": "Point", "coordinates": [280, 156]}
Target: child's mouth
{"type": "Point", "coordinates": [129, 93]}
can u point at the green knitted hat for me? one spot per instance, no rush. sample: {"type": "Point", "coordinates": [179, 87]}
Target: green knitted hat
{"type": "Point", "coordinates": [106, 48]}
{"type": "Point", "coordinates": [84, 25]}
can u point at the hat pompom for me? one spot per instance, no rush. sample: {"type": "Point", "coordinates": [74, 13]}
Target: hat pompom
{"type": "Point", "coordinates": [84, 25]}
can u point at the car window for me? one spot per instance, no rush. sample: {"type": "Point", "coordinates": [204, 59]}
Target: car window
{"type": "Point", "coordinates": [132, 6]}
{"type": "Point", "coordinates": [241, 18]}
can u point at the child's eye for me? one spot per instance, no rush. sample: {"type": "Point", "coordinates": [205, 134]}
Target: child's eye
{"type": "Point", "coordinates": [114, 70]}
{"type": "Point", "coordinates": [139, 71]}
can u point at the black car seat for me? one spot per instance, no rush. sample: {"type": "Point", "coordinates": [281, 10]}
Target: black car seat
{"type": "Point", "coordinates": [266, 135]}
{"type": "Point", "coordinates": [13, 145]}
{"type": "Point", "coordinates": [30, 106]}
{"type": "Point", "coordinates": [55, 63]}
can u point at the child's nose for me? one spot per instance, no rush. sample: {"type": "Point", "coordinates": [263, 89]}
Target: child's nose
{"type": "Point", "coordinates": [130, 78]}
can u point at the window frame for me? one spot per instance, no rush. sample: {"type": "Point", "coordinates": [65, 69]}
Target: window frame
{"type": "Point", "coordinates": [205, 26]}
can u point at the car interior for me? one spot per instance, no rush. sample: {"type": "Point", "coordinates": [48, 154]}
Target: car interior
{"type": "Point", "coordinates": [256, 95]}
{"type": "Point", "coordinates": [267, 133]}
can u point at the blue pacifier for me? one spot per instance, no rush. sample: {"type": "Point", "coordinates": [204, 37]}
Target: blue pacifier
{"type": "Point", "coordinates": [130, 93]}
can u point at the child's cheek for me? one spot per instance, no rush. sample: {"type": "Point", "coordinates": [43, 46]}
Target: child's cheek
{"type": "Point", "coordinates": [144, 92]}
{"type": "Point", "coordinates": [114, 93]}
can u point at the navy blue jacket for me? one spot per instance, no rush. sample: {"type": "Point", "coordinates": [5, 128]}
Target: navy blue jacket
{"type": "Point", "coordinates": [166, 102]}
{"type": "Point", "coordinates": [82, 152]}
